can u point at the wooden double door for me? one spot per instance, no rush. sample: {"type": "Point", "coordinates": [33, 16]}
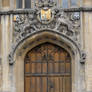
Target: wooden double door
{"type": "Point", "coordinates": [47, 69]}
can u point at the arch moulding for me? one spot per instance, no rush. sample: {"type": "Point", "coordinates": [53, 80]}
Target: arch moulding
{"type": "Point", "coordinates": [47, 18]}
{"type": "Point", "coordinates": [35, 39]}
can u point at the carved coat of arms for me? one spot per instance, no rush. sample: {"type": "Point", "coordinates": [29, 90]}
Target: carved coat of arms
{"type": "Point", "coordinates": [45, 13]}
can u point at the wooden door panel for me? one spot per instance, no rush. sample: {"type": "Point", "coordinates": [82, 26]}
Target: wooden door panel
{"type": "Point", "coordinates": [67, 85]}
{"type": "Point", "coordinates": [61, 84]}
{"type": "Point", "coordinates": [32, 56]}
{"type": "Point", "coordinates": [56, 57]}
{"type": "Point", "coordinates": [47, 69]}
{"type": "Point", "coordinates": [27, 66]}
{"type": "Point", "coordinates": [56, 67]}
{"type": "Point", "coordinates": [51, 84]}
{"type": "Point", "coordinates": [44, 68]}
{"type": "Point", "coordinates": [33, 68]}
{"type": "Point", "coordinates": [68, 65]}
{"type": "Point", "coordinates": [39, 84]}
{"type": "Point", "coordinates": [33, 84]}
{"type": "Point", "coordinates": [44, 84]}
{"type": "Point", "coordinates": [50, 68]}
{"type": "Point", "coordinates": [62, 67]}
{"type": "Point", "coordinates": [27, 84]}
{"type": "Point", "coordinates": [56, 81]}
{"type": "Point", "coordinates": [38, 67]}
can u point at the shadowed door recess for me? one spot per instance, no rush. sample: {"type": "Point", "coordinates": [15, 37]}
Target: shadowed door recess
{"type": "Point", "coordinates": [47, 69]}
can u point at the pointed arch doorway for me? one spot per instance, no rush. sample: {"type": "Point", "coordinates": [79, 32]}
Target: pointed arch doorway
{"type": "Point", "coordinates": [47, 68]}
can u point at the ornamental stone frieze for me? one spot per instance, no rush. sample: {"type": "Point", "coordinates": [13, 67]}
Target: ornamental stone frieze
{"type": "Point", "coordinates": [46, 16]}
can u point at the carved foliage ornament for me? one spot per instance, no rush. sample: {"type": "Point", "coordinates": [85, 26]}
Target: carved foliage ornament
{"type": "Point", "coordinates": [46, 17]}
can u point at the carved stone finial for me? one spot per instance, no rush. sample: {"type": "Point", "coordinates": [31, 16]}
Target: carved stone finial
{"type": "Point", "coordinates": [83, 57]}
{"type": "Point", "coordinates": [10, 58]}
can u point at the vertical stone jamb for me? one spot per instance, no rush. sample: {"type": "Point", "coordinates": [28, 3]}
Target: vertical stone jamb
{"type": "Point", "coordinates": [11, 28]}
{"type": "Point", "coordinates": [11, 67]}
{"type": "Point", "coordinates": [0, 56]}
{"type": "Point", "coordinates": [82, 72]}
{"type": "Point", "coordinates": [5, 45]}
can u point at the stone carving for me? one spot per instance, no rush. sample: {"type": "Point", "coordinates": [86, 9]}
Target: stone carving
{"type": "Point", "coordinates": [83, 57]}
{"type": "Point", "coordinates": [67, 24]}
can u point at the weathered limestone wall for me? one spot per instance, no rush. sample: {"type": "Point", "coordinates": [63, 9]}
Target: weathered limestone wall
{"type": "Point", "coordinates": [87, 3]}
{"type": "Point", "coordinates": [6, 39]}
{"type": "Point", "coordinates": [5, 44]}
{"type": "Point", "coordinates": [87, 37]}
{"type": "Point", "coordinates": [7, 4]}
{"type": "Point", "coordinates": [0, 56]}
{"type": "Point", "coordinates": [88, 48]}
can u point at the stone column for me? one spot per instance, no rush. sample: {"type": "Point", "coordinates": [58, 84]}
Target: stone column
{"type": "Point", "coordinates": [5, 50]}
{"type": "Point", "coordinates": [0, 56]}
{"type": "Point", "coordinates": [11, 67]}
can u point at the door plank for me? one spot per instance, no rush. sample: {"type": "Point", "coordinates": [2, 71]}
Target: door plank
{"type": "Point", "coordinates": [33, 84]}
{"type": "Point", "coordinates": [61, 84]}
{"type": "Point", "coordinates": [56, 79]}
{"type": "Point", "coordinates": [56, 68]}
{"type": "Point", "coordinates": [33, 68]}
{"type": "Point", "coordinates": [27, 86]}
{"type": "Point", "coordinates": [50, 68]}
{"type": "Point", "coordinates": [68, 68]}
{"type": "Point", "coordinates": [27, 68]}
{"type": "Point", "coordinates": [38, 84]}
{"type": "Point", "coordinates": [44, 83]}
{"type": "Point", "coordinates": [68, 87]}
{"type": "Point", "coordinates": [44, 68]}
{"type": "Point", "coordinates": [38, 66]}
{"type": "Point", "coordinates": [51, 84]}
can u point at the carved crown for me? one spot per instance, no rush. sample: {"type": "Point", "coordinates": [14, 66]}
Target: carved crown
{"type": "Point", "coordinates": [46, 3]}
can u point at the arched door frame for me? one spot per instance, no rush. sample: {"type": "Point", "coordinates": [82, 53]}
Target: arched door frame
{"type": "Point", "coordinates": [43, 65]}
{"type": "Point", "coordinates": [17, 71]}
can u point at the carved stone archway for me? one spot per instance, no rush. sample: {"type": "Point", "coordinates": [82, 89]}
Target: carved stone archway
{"type": "Point", "coordinates": [39, 38]}
{"type": "Point", "coordinates": [69, 43]}
{"type": "Point", "coordinates": [62, 29]}
{"type": "Point", "coordinates": [67, 25]}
